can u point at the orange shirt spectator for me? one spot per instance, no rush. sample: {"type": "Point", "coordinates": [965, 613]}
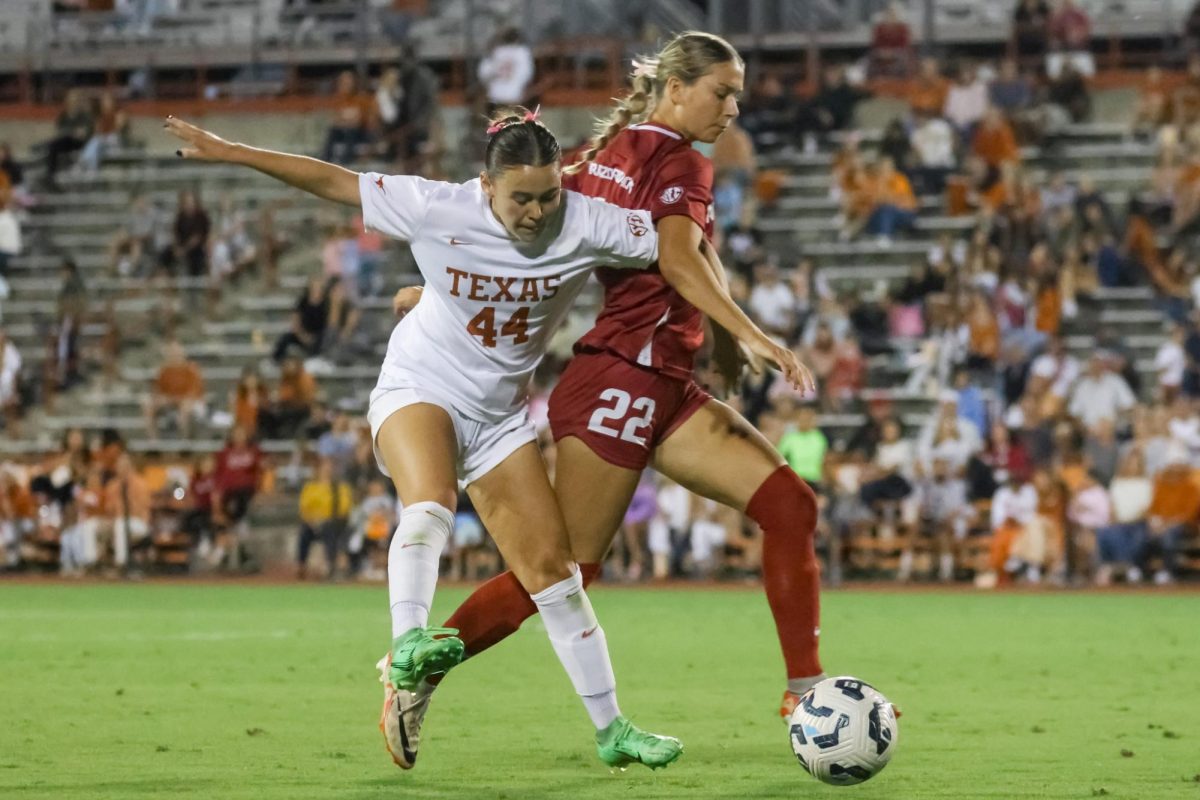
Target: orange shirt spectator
{"type": "Point", "coordinates": [135, 489]}
{"type": "Point", "coordinates": [297, 389]}
{"type": "Point", "coordinates": [180, 381]}
{"type": "Point", "coordinates": [1048, 311]}
{"type": "Point", "coordinates": [994, 141]}
{"type": "Point", "coordinates": [894, 189]}
{"type": "Point", "coordinates": [928, 94]}
{"type": "Point", "coordinates": [1176, 497]}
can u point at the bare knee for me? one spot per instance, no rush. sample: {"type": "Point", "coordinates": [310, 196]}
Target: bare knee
{"type": "Point", "coordinates": [543, 572]}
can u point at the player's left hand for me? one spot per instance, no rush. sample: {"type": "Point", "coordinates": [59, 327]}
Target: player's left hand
{"type": "Point", "coordinates": [406, 300]}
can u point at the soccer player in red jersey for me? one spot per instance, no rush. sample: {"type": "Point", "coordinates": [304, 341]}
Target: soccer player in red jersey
{"type": "Point", "coordinates": [628, 399]}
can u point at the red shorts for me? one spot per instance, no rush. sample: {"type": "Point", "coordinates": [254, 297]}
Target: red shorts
{"type": "Point", "coordinates": [620, 410]}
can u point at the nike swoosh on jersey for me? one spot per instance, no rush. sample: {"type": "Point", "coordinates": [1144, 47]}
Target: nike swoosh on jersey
{"type": "Point", "coordinates": [414, 544]}
{"type": "Point", "coordinates": [456, 242]}
{"type": "Point", "coordinates": [588, 633]}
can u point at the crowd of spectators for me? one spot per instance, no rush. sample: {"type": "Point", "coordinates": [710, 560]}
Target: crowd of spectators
{"type": "Point", "coordinates": [1033, 464]}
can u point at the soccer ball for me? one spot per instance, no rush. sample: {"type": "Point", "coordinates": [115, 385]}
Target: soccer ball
{"type": "Point", "coordinates": [843, 731]}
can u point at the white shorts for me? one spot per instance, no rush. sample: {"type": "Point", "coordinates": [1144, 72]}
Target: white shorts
{"type": "Point", "coordinates": [481, 445]}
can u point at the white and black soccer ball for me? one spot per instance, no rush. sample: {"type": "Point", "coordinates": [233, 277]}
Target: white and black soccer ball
{"type": "Point", "coordinates": [843, 731]}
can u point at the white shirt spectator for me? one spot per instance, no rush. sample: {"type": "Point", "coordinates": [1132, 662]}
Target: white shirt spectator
{"type": "Point", "coordinates": [1131, 498]}
{"type": "Point", "coordinates": [774, 305]}
{"type": "Point", "coordinates": [506, 72]}
{"type": "Point", "coordinates": [10, 368]}
{"type": "Point", "coordinates": [896, 457]}
{"type": "Point", "coordinates": [1018, 504]}
{"type": "Point", "coordinates": [1061, 372]}
{"type": "Point", "coordinates": [1090, 508]}
{"type": "Point", "coordinates": [1105, 397]}
{"type": "Point", "coordinates": [933, 141]}
{"type": "Point", "coordinates": [1170, 362]}
{"type": "Point", "coordinates": [966, 105]}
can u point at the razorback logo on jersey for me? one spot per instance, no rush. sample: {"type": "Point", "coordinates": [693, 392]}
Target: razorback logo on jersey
{"type": "Point", "coordinates": [671, 194]}
{"type": "Point", "coordinates": [636, 225]}
{"type": "Point", "coordinates": [379, 183]}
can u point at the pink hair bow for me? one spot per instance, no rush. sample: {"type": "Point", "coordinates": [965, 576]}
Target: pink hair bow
{"type": "Point", "coordinates": [530, 116]}
{"type": "Point", "coordinates": [644, 70]}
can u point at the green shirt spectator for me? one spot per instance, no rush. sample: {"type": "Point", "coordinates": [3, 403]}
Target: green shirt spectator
{"type": "Point", "coordinates": [804, 449]}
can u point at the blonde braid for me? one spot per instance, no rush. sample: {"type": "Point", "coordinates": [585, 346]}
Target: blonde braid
{"type": "Point", "coordinates": [628, 110]}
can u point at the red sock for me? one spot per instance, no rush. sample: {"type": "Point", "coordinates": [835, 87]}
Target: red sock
{"type": "Point", "coordinates": [496, 609]}
{"type": "Point", "coordinates": [786, 510]}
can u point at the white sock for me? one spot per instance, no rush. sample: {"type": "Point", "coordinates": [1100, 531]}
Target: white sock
{"type": "Point", "coordinates": [579, 642]}
{"type": "Point", "coordinates": [413, 563]}
{"type": "Point", "coordinates": [602, 708]}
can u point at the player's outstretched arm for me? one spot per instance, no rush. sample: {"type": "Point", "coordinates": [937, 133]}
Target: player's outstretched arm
{"type": "Point", "coordinates": [312, 175]}
{"type": "Point", "coordinates": [684, 265]}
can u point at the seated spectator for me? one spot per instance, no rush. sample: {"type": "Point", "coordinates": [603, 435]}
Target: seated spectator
{"type": "Point", "coordinates": [133, 245]}
{"type": "Point", "coordinates": [246, 400]}
{"type": "Point", "coordinates": [1172, 515]}
{"type": "Point", "coordinates": [189, 243]}
{"type": "Point", "coordinates": [1011, 92]}
{"type": "Point", "coordinates": [179, 388]}
{"type": "Point", "coordinates": [891, 44]}
{"type": "Point", "coordinates": [993, 140]}
{"type": "Point", "coordinates": [110, 131]}
{"type": "Point", "coordinates": [338, 443]}
{"type": "Point", "coordinates": [836, 99]}
{"type": "Point", "coordinates": [309, 321]}
{"type": "Point", "coordinates": [507, 70]}
{"type": "Point", "coordinates": [12, 175]}
{"type": "Point", "coordinates": [127, 504]}
{"type": "Point", "coordinates": [927, 97]}
{"type": "Point", "coordinates": [1070, 37]}
{"type": "Point", "coordinates": [966, 101]}
{"type": "Point", "coordinates": [771, 115]}
{"type": "Point", "coordinates": [239, 467]}
{"type": "Point", "coordinates": [1066, 100]}
{"type": "Point", "coordinates": [772, 301]}
{"type": "Point", "coordinates": [890, 478]}
{"type": "Point", "coordinates": [325, 506]}
{"type": "Point", "coordinates": [81, 536]}
{"type": "Point", "coordinates": [983, 333]}
{"type": "Point", "coordinates": [1014, 511]}
{"type": "Point", "coordinates": [72, 129]}
{"type": "Point", "coordinates": [349, 130]}
{"type": "Point", "coordinates": [371, 525]}
{"type": "Point", "coordinates": [894, 206]}
{"type": "Point", "coordinates": [17, 515]}
{"type": "Point", "coordinates": [945, 516]}
{"type": "Point", "coordinates": [292, 404]}
{"type": "Point", "coordinates": [1100, 394]}
{"type": "Point", "coordinates": [1031, 21]}
{"type": "Point", "coordinates": [1120, 543]}
{"type": "Point", "coordinates": [10, 384]}
{"type": "Point", "coordinates": [198, 521]}
{"type": "Point", "coordinates": [935, 157]}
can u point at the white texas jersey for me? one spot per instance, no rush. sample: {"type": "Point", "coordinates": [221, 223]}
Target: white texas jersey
{"type": "Point", "coordinates": [491, 303]}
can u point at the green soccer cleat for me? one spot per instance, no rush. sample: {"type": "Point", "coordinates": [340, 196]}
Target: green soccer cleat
{"type": "Point", "coordinates": [421, 653]}
{"type": "Point", "coordinates": [622, 744]}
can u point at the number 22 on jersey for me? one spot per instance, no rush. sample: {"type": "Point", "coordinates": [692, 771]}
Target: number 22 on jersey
{"type": "Point", "coordinates": [483, 325]}
{"type": "Point", "coordinates": [622, 403]}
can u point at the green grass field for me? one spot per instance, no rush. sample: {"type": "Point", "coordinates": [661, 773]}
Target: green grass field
{"type": "Point", "coordinates": [264, 692]}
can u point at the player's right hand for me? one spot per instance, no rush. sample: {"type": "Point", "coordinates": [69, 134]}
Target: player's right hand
{"type": "Point", "coordinates": [198, 144]}
{"type": "Point", "coordinates": [406, 300]}
{"type": "Point", "coordinates": [786, 362]}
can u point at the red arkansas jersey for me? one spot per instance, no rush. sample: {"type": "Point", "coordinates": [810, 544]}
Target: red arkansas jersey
{"type": "Point", "coordinates": [644, 320]}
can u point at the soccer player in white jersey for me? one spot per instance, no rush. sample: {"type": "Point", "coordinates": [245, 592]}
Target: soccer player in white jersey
{"type": "Point", "coordinates": [503, 257]}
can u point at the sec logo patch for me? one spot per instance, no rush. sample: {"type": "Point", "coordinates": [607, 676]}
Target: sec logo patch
{"type": "Point", "coordinates": [636, 226]}
{"type": "Point", "coordinates": [671, 194]}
